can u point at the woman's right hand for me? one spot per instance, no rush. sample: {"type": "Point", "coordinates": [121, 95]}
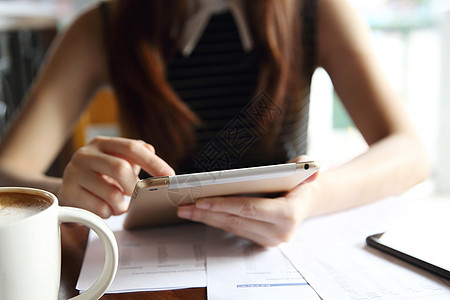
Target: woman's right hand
{"type": "Point", "coordinates": [101, 173]}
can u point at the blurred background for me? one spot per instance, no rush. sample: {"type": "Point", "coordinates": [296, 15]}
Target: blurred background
{"type": "Point", "coordinates": [411, 39]}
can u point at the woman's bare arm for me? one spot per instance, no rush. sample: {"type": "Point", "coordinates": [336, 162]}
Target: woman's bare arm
{"type": "Point", "coordinates": [74, 69]}
{"type": "Point", "coordinates": [396, 159]}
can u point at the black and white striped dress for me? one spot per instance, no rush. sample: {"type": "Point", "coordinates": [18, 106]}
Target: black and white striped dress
{"type": "Point", "coordinates": [218, 81]}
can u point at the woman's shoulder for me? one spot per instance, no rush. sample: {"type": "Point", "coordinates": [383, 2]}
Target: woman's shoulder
{"type": "Point", "coordinates": [341, 31]}
{"type": "Point", "coordinates": [83, 39]}
{"type": "Point", "coordinates": [89, 22]}
{"type": "Point", "coordinates": [95, 22]}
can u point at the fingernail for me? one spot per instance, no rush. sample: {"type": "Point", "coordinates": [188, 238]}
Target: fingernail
{"type": "Point", "coordinates": [203, 205]}
{"type": "Point", "coordinates": [166, 170]}
{"type": "Point", "coordinates": [185, 212]}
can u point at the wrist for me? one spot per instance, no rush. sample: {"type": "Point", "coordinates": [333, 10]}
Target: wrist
{"type": "Point", "coordinates": [314, 207]}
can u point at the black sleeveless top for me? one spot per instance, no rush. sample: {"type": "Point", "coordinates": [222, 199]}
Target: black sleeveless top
{"type": "Point", "coordinates": [218, 81]}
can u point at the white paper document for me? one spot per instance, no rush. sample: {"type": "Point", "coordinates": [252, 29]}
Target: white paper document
{"type": "Point", "coordinates": [239, 269]}
{"type": "Point", "coordinates": [332, 255]}
{"type": "Point", "coordinates": [162, 258]}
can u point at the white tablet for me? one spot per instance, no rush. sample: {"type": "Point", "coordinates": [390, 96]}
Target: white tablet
{"type": "Point", "coordinates": [155, 200]}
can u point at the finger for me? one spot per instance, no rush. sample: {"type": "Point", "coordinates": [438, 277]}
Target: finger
{"type": "Point", "coordinates": [276, 210]}
{"type": "Point", "coordinates": [137, 169]}
{"type": "Point", "coordinates": [114, 167]}
{"type": "Point", "coordinates": [86, 200]}
{"type": "Point", "coordinates": [137, 152]}
{"type": "Point", "coordinates": [312, 177]}
{"type": "Point", "coordinates": [102, 188]}
{"type": "Point", "coordinates": [266, 234]}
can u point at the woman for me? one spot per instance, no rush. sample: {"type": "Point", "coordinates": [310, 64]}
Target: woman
{"type": "Point", "coordinates": [175, 68]}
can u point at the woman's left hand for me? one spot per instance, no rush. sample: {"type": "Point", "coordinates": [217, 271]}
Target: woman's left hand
{"type": "Point", "coordinates": [266, 221]}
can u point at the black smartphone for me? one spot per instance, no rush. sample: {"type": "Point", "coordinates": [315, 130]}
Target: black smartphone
{"type": "Point", "coordinates": [376, 242]}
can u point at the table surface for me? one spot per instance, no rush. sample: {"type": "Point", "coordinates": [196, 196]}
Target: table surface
{"type": "Point", "coordinates": [73, 243]}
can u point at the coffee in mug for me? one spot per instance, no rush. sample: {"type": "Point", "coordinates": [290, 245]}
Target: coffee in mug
{"type": "Point", "coordinates": [18, 206]}
{"type": "Point", "coordinates": [30, 245]}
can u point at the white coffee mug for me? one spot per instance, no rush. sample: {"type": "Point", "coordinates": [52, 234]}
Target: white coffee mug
{"type": "Point", "coordinates": [30, 250]}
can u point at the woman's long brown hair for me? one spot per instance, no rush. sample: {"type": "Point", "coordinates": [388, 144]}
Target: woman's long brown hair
{"type": "Point", "coordinates": [143, 39]}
